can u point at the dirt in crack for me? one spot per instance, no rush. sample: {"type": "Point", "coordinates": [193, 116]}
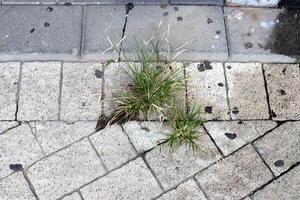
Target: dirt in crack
{"type": "Point", "coordinates": [285, 38]}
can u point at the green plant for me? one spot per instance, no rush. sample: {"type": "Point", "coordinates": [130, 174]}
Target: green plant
{"type": "Point", "coordinates": [185, 126]}
{"type": "Point", "coordinates": [153, 87]}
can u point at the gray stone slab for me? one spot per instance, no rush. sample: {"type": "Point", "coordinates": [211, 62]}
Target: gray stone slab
{"type": "Point", "coordinates": [206, 40]}
{"type": "Point", "coordinates": [236, 176]}
{"type": "Point", "coordinates": [246, 91]}
{"type": "Point", "coordinates": [132, 181]}
{"type": "Point", "coordinates": [260, 3]}
{"type": "Point", "coordinates": [21, 1]}
{"type": "Point", "coordinates": [81, 91]}
{"type": "Point", "coordinates": [18, 146]}
{"type": "Point", "coordinates": [39, 31]}
{"type": "Point", "coordinates": [73, 196]}
{"type": "Point", "coordinates": [173, 167]}
{"type": "Point", "coordinates": [5, 126]}
{"type": "Point", "coordinates": [250, 34]}
{"type": "Point", "coordinates": [280, 148]}
{"type": "Point", "coordinates": [197, 2]}
{"type": "Point", "coordinates": [117, 2]}
{"type": "Point", "coordinates": [65, 171]}
{"type": "Point", "coordinates": [231, 135]}
{"type": "Point", "coordinates": [283, 82]}
{"type": "Point", "coordinates": [53, 136]}
{"type": "Point", "coordinates": [284, 188]}
{"type": "Point", "coordinates": [9, 77]}
{"type": "Point", "coordinates": [15, 187]}
{"type": "Point", "coordinates": [146, 135]}
{"type": "Point", "coordinates": [206, 88]}
{"type": "Point", "coordinates": [113, 146]}
{"type": "Point", "coordinates": [185, 191]}
{"type": "Point", "coordinates": [103, 29]}
{"type": "Point", "coordinates": [39, 91]}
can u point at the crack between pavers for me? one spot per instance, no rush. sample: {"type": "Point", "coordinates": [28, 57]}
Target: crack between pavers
{"type": "Point", "coordinates": [272, 180]}
{"type": "Point", "coordinates": [226, 34]}
{"type": "Point", "coordinates": [213, 141]}
{"type": "Point", "coordinates": [98, 155]}
{"type": "Point", "coordinates": [267, 92]}
{"type": "Point", "coordinates": [227, 92]}
{"type": "Point", "coordinates": [103, 90]}
{"type": "Point", "coordinates": [18, 91]}
{"type": "Point", "coordinates": [185, 65]}
{"type": "Point", "coordinates": [82, 23]}
{"type": "Point", "coordinates": [31, 187]}
{"type": "Point", "coordinates": [80, 194]}
{"type": "Point", "coordinates": [35, 136]}
{"type": "Point", "coordinates": [10, 128]}
{"type": "Point", "coordinates": [201, 189]}
{"type": "Point", "coordinates": [263, 160]}
{"type": "Point", "coordinates": [60, 91]}
{"type": "Point", "coordinates": [131, 143]}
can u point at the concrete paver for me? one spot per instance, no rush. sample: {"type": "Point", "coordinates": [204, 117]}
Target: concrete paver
{"type": "Point", "coordinates": [39, 91]}
{"type": "Point", "coordinates": [132, 181]}
{"type": "Point", "coordinates": [9, 77]}
{"type": "Point", "coordinates": [6, 125]}
{"type": "Point", "coordinates": [280, 148]}
{"type": "Point", "coordinates": [236, 176]}
{"type": "Point", "coordinates": [77, 164]}
{"type": "Point", "coordinates": [283, 82]}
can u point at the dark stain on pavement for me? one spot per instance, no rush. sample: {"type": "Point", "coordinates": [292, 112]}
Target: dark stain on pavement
{"type": "Point", "coordinates": [231, 136]}
{"type": "Point", "coordinates": [279, 163]}
{"type": "Point", "coordinates": [16, 167]}
{"type": "Point", "coordinates": [98, 73]}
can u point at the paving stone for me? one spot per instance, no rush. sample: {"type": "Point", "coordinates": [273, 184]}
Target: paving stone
{"type": "Point", "coordinates": [236, 176]}
{"type": "Point", "coordinates": [118, 2]}
{"type": "Point", "coordinates": [113, 146]}
{"type": "Point", "coordinates": [246, 91]}
{"type": "Point", "coordinates": [53, 136]}
{"type": "Point", "coordinates": [185, 191]}
{"type": "Point", "coordinates": [132, 181]}
{"type": "Point", "coordinates": [15, 187]}
{"type": "Point", "coordinates": [284, 188]}
{"type": "Point", "coordinates": [206, 87]}
{"type": "Point", "coordinates": [197, 2]}
{"type": "Point", "coordinates": [84, 79]}
{"type": "Point", "coordinates": [146, 135]}
{"type": "Point", "coordinates": [39, 32]}
{"type": "Point", "coordinates": [74, 196]}
{"type": "Point", "coordinates": [207, 39]}
{"type": "Point", "coordinates": [21, 1]}
{"type": "Point", "coordinates": [103, 25]}
{"type": "Point", "coordinates": [280, 148]}
{"type": "Point", "coordinates": [261, 3]}
{"type": "Point", "coordinates": [39, 91]}
{"type": "Point", "coordinates": [250, 32]}
{"type": "Point", "coordinates": [18, 146]}
{"type": "Point", "coordinates": [9, 77]}
{"type": "Point", "coordinates": [54, 176]}
{"type": "Point", "coordinates": [171, 168]}
{"type": "Point", "coordinates": [283, 82]}
{"type": "Point", "coordinates": [5, 126]}
{"type": "Point", "coordinates": [231, 135]}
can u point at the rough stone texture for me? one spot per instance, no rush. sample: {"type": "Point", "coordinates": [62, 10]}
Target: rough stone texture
{"type": "Point", "coordinates": [9, 76]}
{"type": "Point", "coordinates": [280, 148]}
{"type": "Point", "coordinates": [53, 136]}
{"type": "Point", "coordinates": [15, 187]}
{"type": "Point", "coordinates": [73, 196]}
{"type": "Point", "coordinates": [5, 126]}
{"type": "Point", "coordinates": [171, 168]}
{"type": "Point", "coordinates": [103, 25]}
{"type": "Point", "coordinates": [18, 146]}
{"type": "Point", "coordinates": [229, 136]}
{"type": "Point", "coordinates": [206, 87]}
{"type": "Point", "coordinates": [236, 176]}
{"type": "Point", "coordinates": [284, 188]}
{"type": "Point", "coordinates": [39, 91]}
{"type": "Point", "coordinates": [185, 191]}
{"type": "Point", "coordinates": [197, 2]}
{"type": "Point", "coordinates": [39, 32]}
{"type": "Point", "coordinates": [133, 181]}
{"type": "Point", "coordinates": [283, 82]}
{"type": "Point", "coordinates": [84, 79]}
{"type": "Point", "coordinates": [146, 135]}
{"type": "Point", "coordinates": [65, 171]}
{"type": "Point", "coordinates": [250, 32]}
{"type": "Point", "coordinates": [113, 146]}
{"type": "Point", "coordinates": [260, 3]}
{"type": "Point", "coordinates": [246, 91]}
{"type": "Point", "coordinates": [206, 40]}
{"type": "Point", "coordinates": [116, 2]}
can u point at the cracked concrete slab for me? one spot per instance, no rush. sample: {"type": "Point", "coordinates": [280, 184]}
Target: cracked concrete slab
{"type": "Point", "coordinates": [6, 125]}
